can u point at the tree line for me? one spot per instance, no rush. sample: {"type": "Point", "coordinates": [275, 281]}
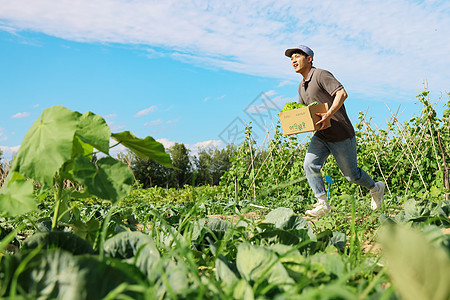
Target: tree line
{"type": "Point", "coordinates": [204, 168]}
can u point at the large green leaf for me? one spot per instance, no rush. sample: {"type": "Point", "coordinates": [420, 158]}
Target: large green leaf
{"type": "Point", "coordinates": [108, 179]}
{"type": "Point", "coordinates": [418, 269]}
{"type": "Point", "coordinates": [93, 130]}
{"type": "Point", "coordinates": [292, 260]}
{"type": "Point", "coordinates": [178, 277]}
{"type": "Point", "coordinates": [225, 272]}
{"type": "Point", "coordinates": [81, 148]}
{"type": "Point", "coordinates": [137, 248]}
{"type": "Point", "coordinates": [17, 198]}
{"type": "Point", "coordinates": [285, 237]}
{"type": "Point", "coordinates": [11, 177]}
{"type": "Point", "coordinates": [421, 211]}
{"type": "Point", "coordinates": [331, 263]}
{"type": "Point", "coordinates": [58, 239]}
{"type": "Point", "coordinates": [285, 218]}
{"type": "Point", "coordinates": [243, 290]}
{"type": "Point", "coordinates": [60, 275]}
{"type": "Point", "coordinates": [146, 148]}
{"type": "Point", "coordinates": [87, 230]}
{"type": "Point", "coordinates": [47, 144]}
{"type": "Point", "coordinates": [330, 292]}
{"type": "Point", "coordinates": [257, 264]}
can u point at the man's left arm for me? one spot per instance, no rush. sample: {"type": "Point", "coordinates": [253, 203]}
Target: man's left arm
{"type": "Point", "coordinates": [338, 101]}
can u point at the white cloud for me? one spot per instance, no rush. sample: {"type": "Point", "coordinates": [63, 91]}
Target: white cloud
{"type": "Point", "coordinates": [110, 117]}
{"type": "Point", "coordinates": [371, 46]}
{"type": "Point", "coordinates": [285, 82]}
{"type": "Point", "coordinates": [146, 111]}
{"type": "Point", "coordinates": [195, 147]}
{"type": "Point", "coordinates": [9, 29]}
{"type": "Point", "coordinates": [263, 103]}
{"type": "Point", "coordinates": [270, 93]}
{"type": "Point", "coordinates": [216, 98]}
{"type": "Point", "coordinates": [118, 148]}
{"type": "Point", "coordinates": [3, 137]}
{"type": "Point", "coordinates": [154, 123]}
{"type": "Point", "coordinates": [211, 144]}
{"type": "Point", "coordinates": [280, 101]}
{"type": "Point", "coordinates": [173, 121]}
{"type": "Point", "coordinates": [9, 152]}
{"type": "Point", "coordinates": [166, 143]}
{"type": "Point", "coordinates": [116, 127]}
{"type": "Point", "coordinates": [21, 115]}
{"type": "Point", "coordinates": [206, 145]}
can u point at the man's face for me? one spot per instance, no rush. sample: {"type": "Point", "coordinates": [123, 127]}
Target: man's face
{"type": "Point", "coordinates": [300, 62]}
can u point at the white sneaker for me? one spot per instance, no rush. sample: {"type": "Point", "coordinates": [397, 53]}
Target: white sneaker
{"type": "Point", "coordinates": [318, 203]}
{"type": "Point", "coordinates": [320, 210]}
{"type": "Point", "coordinates": [378, 195]}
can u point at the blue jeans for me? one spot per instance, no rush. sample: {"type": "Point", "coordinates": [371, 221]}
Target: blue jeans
{"type": "Point", "coordinates": [345, 154]}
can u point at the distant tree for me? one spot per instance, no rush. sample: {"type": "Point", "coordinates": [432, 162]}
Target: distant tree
{"type": "Point", "coordinates": [150, 173]}
{"type": "Point", "coordinates": [212, 164]}
{"type": "Point", "coordinates": [222, 162]}
{"type": "Point", "coordinates": [206, 168]}
{"type": "Point", "coordinates": [182, 163]}
{"type": "Point", "coordinates": [203, 162]}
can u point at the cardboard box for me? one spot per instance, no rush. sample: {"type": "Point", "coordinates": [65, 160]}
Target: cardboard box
{"type": "Point", "coordinates": [301, 119]}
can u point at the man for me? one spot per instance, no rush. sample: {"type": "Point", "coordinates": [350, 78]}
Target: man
{"type": "Point", "coordinates": [336, 135]}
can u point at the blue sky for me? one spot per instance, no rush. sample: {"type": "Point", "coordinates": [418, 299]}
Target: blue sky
{"type": "Point", "coordinates": [193, 71]}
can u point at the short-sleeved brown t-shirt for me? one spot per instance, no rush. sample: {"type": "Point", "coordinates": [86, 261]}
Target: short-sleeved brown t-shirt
{"type": "Point", "coordinates": [321, 86]}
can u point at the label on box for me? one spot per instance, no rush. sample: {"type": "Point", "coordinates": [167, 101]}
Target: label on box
{"type": "Point", "coordinates": [301, 119]}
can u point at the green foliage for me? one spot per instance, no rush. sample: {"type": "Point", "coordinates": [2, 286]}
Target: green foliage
{"type": "Point", "coordinates": [411, 158]}
{"type": "Point", "coordinates": [60, 146]}
{"type": "Point", "coordinates": [295, 105]}
{"type": "Point", "coordinates": [276, 172]}
{"type": "Point", "coordinates": [18, 198]}
{"type": "Point", "coordinates": [149, 173]}
{"type": "Point", "coordinates": [58, 239]}
{"type": "Point", "coordinates": [180, 159]}
{"type": "Point", "coordinates": [210, 165]}
{"type": "Point", "coordinates": [424, 278]}
{"type": "Point", "coordinates": [418, 211]}
{"type": "Point", "coordinates": [135, 248]}
{"type": "Point", "coordinates": [184, 252]}
{"type": "Point", "coordinates": [57, 274]}
{"type": "Point", "coordinates": [205, 168]}
{"type": "Point", "coordinates": [292, 105]}
{"type": "Point", "coordinates": [146, 148]}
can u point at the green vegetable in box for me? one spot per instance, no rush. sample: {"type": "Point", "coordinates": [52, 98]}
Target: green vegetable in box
{"type": "Point", "coordinates": [295, 105]}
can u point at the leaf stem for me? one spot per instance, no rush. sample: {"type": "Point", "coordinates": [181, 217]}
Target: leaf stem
{"type": "Point", "coordinates": [58, 199]}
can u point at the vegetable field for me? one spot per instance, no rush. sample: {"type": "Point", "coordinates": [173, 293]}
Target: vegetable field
{"type": "Point", "coordinates": [76, 225]}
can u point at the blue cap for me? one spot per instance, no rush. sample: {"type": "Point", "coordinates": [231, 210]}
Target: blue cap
{"type": "Point", "coordinates": [302, 48]}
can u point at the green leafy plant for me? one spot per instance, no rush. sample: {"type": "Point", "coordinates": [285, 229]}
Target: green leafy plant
{"type": "Point", "coordinates": [60, 146]}
{"type": "Point", "coordinates": [424, 278]}
{"type": "Point", "coordinates": [295, 105]}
